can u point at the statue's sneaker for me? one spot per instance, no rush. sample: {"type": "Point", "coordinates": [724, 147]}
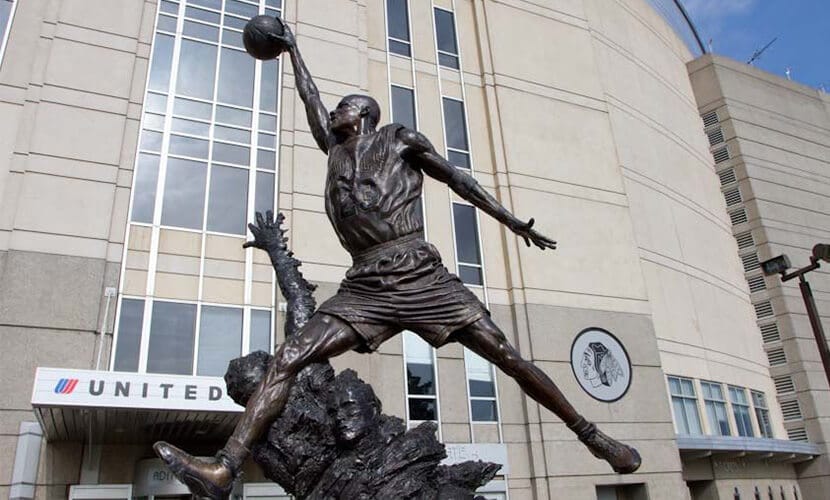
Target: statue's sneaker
{"type": "Point", "coordinates": [206, 479]}
{"type": "Point", "coordinates": [623, 458]}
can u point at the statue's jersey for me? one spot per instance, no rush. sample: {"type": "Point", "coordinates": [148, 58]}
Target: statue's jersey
{"type": "Point", "coordinates": [372, 193]}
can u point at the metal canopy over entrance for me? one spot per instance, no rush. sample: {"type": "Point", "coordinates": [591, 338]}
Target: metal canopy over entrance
{"type": "Point", "coordinates": [121, 408]}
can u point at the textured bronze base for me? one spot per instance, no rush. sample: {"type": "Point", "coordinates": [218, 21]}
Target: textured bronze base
{"type": "Point", "coordinates": [205, 479]}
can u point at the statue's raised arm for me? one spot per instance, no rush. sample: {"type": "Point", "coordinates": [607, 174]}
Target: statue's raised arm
{"type": "Point", "coordinates": [318, 116]}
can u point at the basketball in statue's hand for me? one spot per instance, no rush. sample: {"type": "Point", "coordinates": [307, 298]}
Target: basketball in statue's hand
{"type": "Point", "coordinates": [260, 37]}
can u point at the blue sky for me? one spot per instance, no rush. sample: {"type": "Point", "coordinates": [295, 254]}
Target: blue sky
{"type": "Point", "coordinates": [740, 27]}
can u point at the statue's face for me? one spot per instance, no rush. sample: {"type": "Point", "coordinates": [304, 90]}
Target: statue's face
{"type": "Point", "coordinates": [356, 413]}
{"type": "Point", "coordinates": [346, 116]}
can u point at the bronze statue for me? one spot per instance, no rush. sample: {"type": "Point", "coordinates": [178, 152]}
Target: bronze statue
{"type": "Point", "coordinates": [397, 281]}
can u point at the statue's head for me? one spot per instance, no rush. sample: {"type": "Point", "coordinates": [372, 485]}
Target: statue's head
{"type": "Point", "coordinates": [354, 406]}
{"type": "Point", "coordinates": [355, 114]}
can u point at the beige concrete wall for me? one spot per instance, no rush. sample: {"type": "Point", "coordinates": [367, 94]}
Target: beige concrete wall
{"type": "Point", "coordinates": [778, 135]}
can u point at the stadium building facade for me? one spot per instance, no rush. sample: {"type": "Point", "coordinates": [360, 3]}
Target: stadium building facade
{"type": "Point", "coordinates": [137, 139]}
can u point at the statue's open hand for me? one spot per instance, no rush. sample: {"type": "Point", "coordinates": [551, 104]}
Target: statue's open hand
{"type": "Point", "coordinates": [266, 232]}
{"type": "Point", "coordinates": [287, 37]}
{"type": "Point", "coordinates": [527, 232]}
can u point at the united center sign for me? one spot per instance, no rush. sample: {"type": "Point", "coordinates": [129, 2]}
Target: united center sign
{"type": "Point", "coordinates": [92, 388]}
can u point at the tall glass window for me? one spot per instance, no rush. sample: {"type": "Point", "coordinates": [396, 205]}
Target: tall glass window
{"type": "Point", "coordinates": [759, 402]}
{"type": "Point", "coordinates": [684, 405]}
{"type": "Point", "coordinates": [203, 134]}
{"type": "Point", "coordinates": [445, 38]}
{"type": "Point", "coordinates": [260, 331]}
{"type": "Point", "coordinates": [172, 338]}
{"type": "Point", "coordinates": [467, 244]}
{"type": "Point", "coordinates": [455, 131]}
{"type": "Point", "coordinates": [397, 26]}
{"type": "Point", "coordinates": [130, 324]}
{"type": "Point", "coordinates": [715, 408]}
{"type": "Point", "coordinates": [7, 8]}
{"type": "Point", "coordinates": [740, 410]}
{"type": "Point", "coordinates": [482, 386]}
{"type": "Point", "coordinates": [421, 392]}
{"type": "Point", "coordinates": [403, 107]}
{"type": "Point", "coordinates": [220, 339]}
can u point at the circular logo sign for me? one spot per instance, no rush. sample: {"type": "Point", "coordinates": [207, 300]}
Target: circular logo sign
{"type": "Point", "coordinates": [600, 364]}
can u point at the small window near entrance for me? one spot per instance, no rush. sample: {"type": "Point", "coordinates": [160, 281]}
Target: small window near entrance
{"type": "Point", "coordinates": [622, 492]}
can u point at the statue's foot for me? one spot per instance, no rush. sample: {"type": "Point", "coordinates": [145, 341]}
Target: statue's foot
{"type": "Point", "coordinates": [623, 458]}
{"type": "Point", "coordinates": [211, 479]}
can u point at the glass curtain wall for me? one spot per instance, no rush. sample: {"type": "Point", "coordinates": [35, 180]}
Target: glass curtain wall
{"type": "Point", "coordinates": [207, 160]}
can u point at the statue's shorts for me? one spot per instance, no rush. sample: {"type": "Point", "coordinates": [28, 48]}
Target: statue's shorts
{"type": "Point", "coordinates": [402, 285]}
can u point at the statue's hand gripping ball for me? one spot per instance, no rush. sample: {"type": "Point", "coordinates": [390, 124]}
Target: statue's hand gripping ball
{"type": "Point", "coordinates": [262, 37]}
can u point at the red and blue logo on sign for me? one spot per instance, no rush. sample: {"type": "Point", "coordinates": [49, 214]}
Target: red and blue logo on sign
{"type": "Point", "coordinates": [66, 385]}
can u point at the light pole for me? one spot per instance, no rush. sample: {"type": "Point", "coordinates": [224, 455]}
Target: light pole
{"type": "Point", "coordinates": [779, 265]}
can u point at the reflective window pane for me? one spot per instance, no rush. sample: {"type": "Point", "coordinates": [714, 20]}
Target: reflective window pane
{"type": "Point", "coordinates": [230, 153]}
{"type": "Point", "coordinates": [243, 9]}
{"type": "Point", "coordinates": [267, 140]}
{"type": "Point", "coordinates": [235, 22]}
{"type": "Point", "coordinates": [228, 200]}
{"type": "Point", "coordinates": [166, 23]}
{"type": "Point", "coordinates": [277, 4]}
{"type": "Point", "coordinates": [455, 125]}
{"type": "Point", "coordinates": [267, 123]}
{"type": "Point", "coordinates": [260, 331]}
{"type": "Point", "coordinates": [144, 188]}
{"type": "Point", "coordinates": [184, 194]}
{"type": "Point", "coordinates": [150, 141]}
{"type": "Point", "coordinates": [482, 388]}
{"type": "Point", "coordinates": [191, 127]}
{"type": "Point", "coordinates": [169, 7]}
{"type": "Point", "coordinates": [264, 192]}
{"type": "Point", "coordinates": [236, 78]}
{"type": "Point", "coordinates": [155, 103]}
{"type": "Point", "coordinates": [484, 410]}
{"type": "Point", "coordinates": [461, 160]}
{"type": "Point", "coordinates": [202, 15]}
{"type": "Point", "coordinates": [172, 333]}
{"type": "Point", "coordinates": [448, 61]}
{"type": "Point", "coordinates": [193, 109]}
{"type": "Point", "coordinates": [197, 68]}
{"type": "Point", "coordinates": [232, 38]}
{"type": "Point", "coordinates": [266, 159]}
{"type": "Point", "coordinates": [212, 4]}
{"type": "Point", "coordinates": [233, 116]}
{"type": "Point", "coordinates": [403, 107]}
{"type": "Point", "coordinates": [161, 63]}
{"type": "Point", "coordinates": [400, 48]}
{"type": "Point", "coordinates": [420, 379]}
{"type": "Point", "coordinates": [268, 92]}
{"type": "Point", "coordinates": [470, 275]}
{"type": "Point", "coordinates": [129, 335]}
{"type": "Point", "coordinates": [231, 134]}
{"type": "Point", "coordinates": [466, 233]}
{"type": "Point", "coordinates": [445, 31]}
{"type": "Point", "coordinates": [188, 146]}
{"type": "Point", "coordinates": [422, 409]}
{"type": "Point", "coordinates": [153, 121]}
{"type": "Point", "coordinates": [220, 339]}
{"type": "Point", "coordinates": [201, 31]}
{"type": "Point", "coordinates": [398, 19]}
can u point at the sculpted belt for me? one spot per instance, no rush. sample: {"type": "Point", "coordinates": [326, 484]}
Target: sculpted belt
{"type": "Point", "coordinates": [372, 253]}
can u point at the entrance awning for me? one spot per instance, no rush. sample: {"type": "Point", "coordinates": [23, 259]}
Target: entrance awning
{"type": "Point", "coordinates": [122, 407]}
{"type": "Point", "coordinates": [776, 450]}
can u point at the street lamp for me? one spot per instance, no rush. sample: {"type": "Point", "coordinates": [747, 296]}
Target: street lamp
{"type": "Point", "coordinates": [780, 265]}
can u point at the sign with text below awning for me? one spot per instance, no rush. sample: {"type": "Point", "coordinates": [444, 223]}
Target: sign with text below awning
{"type": "Point", "coordinates": [130, 407]}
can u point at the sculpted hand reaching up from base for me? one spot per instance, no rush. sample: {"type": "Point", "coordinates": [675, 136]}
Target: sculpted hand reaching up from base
{"type": "Point", "coordinates": [267, 234]}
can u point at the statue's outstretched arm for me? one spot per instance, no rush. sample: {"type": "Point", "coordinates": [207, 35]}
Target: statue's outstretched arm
{"type": "Point", "coordinates": [422, 154]}
{"type": "Point", "coordinates": [318, 116]}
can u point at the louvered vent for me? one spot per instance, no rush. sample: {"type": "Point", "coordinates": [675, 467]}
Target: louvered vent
{"type": "Point", "coordinates": [733, 197]}
{"type": "Point", "coordinates": [776, 357]}
{"type": "Point", "coordinates": [763, 309]}
{"type": "Point", "coordinates": [750, 262]}
{"type": "Point", "coordinates": [710, 118]}
{"type": "Point", "coordinates": [715, 137]}
{"type": "Point", "coordinates": [721, 155]}
{"type": "Point", "coordinates": [791, 410]}
{"type": "Point", "coordinates": [784, 384]}
{"type": "Point", "coordinates": [727, 176]}
{"type": "Point", "coordinates": [770, 333]}
{"type": "Point", "coordinates": [756, 284]}
{"type": "Point", "coordinates": [738, 216]}
{"type": "Point", "coordinates": [745, 240]}
{"type": "Point", "coordinates": [797, 434]}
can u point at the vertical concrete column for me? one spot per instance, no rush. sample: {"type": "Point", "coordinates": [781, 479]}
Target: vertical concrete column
{"type": "Point", "coordinates": [26, 459]}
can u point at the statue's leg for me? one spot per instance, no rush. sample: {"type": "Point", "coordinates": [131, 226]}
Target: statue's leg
{"type": "Point", "coordinates": [321, 338]}
{"type": "Point", "coordinates": [488, 341]}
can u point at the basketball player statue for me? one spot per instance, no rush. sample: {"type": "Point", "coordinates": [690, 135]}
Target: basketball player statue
{"type": "Point", "coordinates": [397, 281]}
